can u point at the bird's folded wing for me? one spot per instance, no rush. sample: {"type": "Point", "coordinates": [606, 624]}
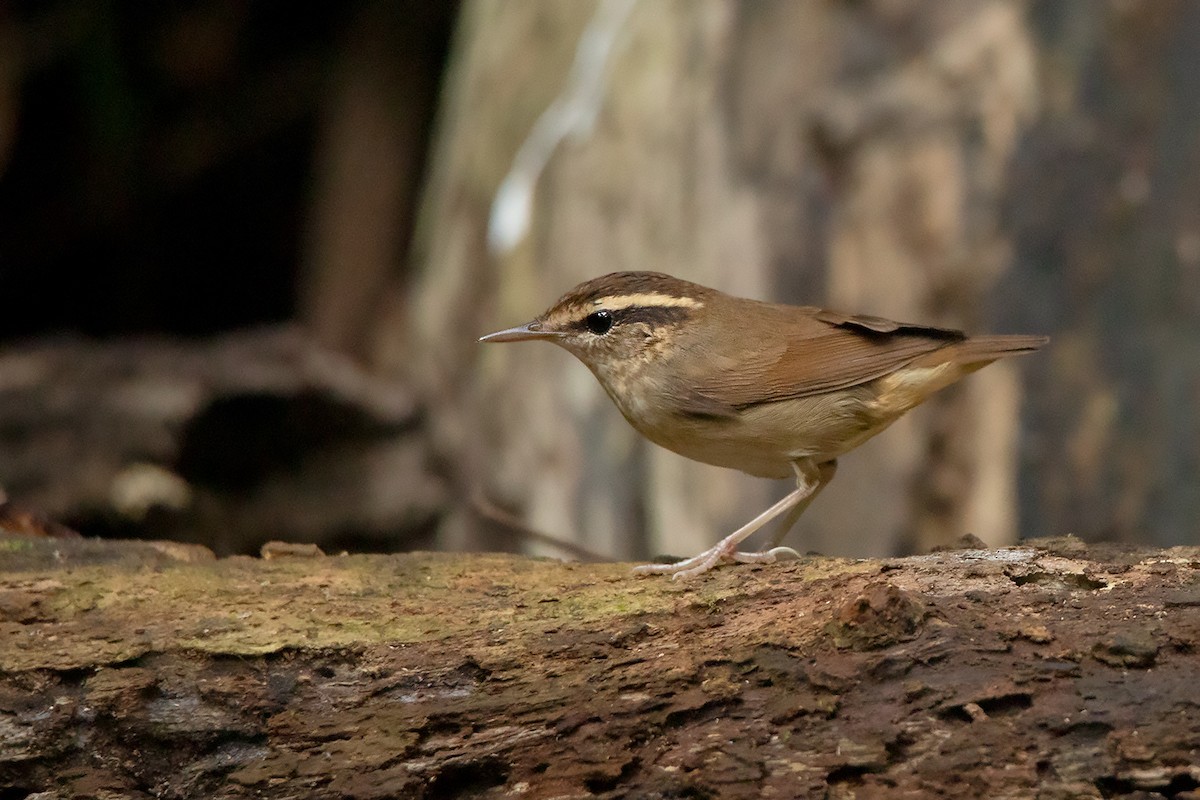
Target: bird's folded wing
{"type": "Point", "coordinates": [828, 352]}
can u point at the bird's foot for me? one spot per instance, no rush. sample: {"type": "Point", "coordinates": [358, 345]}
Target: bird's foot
{"type": "Point", "coordinates": [767, 556]}
{"type": "Point", "coordinates": [722, 553]}
{"type": "Point", "coordinates": [687, 568]}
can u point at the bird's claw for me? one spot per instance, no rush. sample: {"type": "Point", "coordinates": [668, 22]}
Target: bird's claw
{"type": "Point", "coordinates": [699, 564]}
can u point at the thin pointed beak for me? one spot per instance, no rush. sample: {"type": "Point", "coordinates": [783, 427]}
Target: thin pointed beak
{"type": "Point", "coordinates": [521, 333]}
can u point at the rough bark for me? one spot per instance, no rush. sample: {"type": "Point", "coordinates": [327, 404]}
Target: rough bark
{"type": "Point", "coordinates": [1052, 670]}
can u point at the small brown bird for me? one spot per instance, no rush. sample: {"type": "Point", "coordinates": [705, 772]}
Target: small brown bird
{"type": "Point", "coordinates": [772, 390]}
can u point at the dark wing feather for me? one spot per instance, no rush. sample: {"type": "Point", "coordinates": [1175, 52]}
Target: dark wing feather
{"type": "Point", "coordinates": [814, 351]}
{"type": "Point", "coordinates": [873, 324]}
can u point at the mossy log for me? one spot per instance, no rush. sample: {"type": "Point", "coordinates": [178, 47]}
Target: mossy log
{"type": "Point", "coordinates": [1055, 669]}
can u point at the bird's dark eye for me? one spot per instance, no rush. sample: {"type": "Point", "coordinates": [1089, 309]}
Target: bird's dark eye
{"type": "Point", "coordinates": [599, 322]}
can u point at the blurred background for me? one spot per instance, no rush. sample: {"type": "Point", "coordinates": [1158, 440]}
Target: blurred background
{"type": "Point", "coordinates": [246, 249]}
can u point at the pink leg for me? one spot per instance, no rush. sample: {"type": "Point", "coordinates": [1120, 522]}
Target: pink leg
{"type": "Point", "coordinates": [810, 479]}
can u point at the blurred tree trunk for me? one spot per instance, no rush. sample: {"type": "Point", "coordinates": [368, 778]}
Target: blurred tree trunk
{"type": "Point", "coordinates": [369, 157]}
{"type": "Point", "coordinates": [849, 154]}
{"type": "Point", "coordinates": [1106, 205]}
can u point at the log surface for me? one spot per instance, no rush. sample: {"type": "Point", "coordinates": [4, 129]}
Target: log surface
{"type": "Point", "coordinates": [140, 669]}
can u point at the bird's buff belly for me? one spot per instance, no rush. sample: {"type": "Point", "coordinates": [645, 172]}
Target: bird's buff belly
{"type": "Point", "coordinates": [766, 439]}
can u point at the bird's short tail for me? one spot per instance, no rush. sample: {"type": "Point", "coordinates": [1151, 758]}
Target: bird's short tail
{"type": "Point", "coordinates": [975, 352]}
{"type": "Point", "coordinates": [912, 383]}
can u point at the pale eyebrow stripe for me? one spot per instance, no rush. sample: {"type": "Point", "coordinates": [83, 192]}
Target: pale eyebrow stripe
{"type": "Point", "coordinates": [651, 299]}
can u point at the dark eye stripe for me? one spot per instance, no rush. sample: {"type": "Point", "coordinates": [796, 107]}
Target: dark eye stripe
{"type": "Point", "coordinates": [654, 316]}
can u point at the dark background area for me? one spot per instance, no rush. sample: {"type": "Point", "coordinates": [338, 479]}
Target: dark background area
{"type": "Point", "coordinates": [159, 173]}
{"type": "Point", "coordinates": [158, 166]}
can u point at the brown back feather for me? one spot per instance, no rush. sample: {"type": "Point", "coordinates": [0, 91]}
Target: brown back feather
{"type": "Point", "coordinates": [811, 351]}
